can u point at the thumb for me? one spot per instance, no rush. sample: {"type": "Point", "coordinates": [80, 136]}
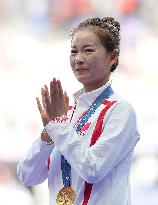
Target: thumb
{"type": "Point", "coordinates": [43, 113]}
{"type": "Point", "coordinates": [66, 98]}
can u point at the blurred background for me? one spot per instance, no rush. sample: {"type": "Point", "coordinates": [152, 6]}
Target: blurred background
{"type": "Point", "coordinates": [35, 47]}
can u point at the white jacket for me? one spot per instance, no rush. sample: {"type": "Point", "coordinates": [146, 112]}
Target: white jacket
{"type": "Point", "coordinates": [106, 164]}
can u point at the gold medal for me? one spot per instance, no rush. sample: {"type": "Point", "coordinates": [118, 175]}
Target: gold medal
{"type": "Point", "coordinates": [66, 196]}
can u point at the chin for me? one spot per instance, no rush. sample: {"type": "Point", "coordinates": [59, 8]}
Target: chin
{"type": "Point", "coordinates": [83, 80]}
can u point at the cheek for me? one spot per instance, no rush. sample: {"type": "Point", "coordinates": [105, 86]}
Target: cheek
{"type": "Point", "coordinates": [71, 62]}
{"type": "Point", "coordinates": [97, 62]}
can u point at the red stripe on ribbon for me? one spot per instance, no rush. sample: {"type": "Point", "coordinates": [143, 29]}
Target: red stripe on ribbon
{"type": "Point", "coordinates": [85, 127]}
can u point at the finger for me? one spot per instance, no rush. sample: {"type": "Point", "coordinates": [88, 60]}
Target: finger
{"type": "Point", "coordinates": [47, 97]}
{"type": "Point", "coordinates": [56, 91]}
{"type": "Point", "coordinates": [39, 105]}
{"type": "Point", "coordinates": [52, 87]}
{"type": "Point", "coordinates": [43, 98]}
{"type": "Point", "coordinates": [44, 116]}
{"type": "Point", "coordinates": [46, 92]}
{"type": "Point", "coordinates": [61, 96]}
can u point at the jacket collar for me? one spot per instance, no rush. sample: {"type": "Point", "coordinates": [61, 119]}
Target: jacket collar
{"type": "Point", "coordinates": [86, 99]}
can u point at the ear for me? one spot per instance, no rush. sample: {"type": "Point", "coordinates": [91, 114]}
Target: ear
{"type": "Point", "coordinates": [114, 57]}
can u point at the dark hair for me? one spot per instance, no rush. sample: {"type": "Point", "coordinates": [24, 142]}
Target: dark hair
{"type": "Point", "coordinates": [107, 29]}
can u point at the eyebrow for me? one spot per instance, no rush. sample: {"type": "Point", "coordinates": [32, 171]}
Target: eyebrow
{"type": "Point", "coordinates": [84, 46]}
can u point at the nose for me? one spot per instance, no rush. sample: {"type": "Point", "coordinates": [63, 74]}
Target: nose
{"type": "Point", "coordinates": [79, 59]}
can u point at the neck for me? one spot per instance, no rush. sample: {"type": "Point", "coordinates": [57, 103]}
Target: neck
{"type": "Point", "coordinates": [94, 86]}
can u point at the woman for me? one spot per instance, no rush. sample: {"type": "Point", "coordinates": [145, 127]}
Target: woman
{"type": "Point", "coordinates": [89, 146]}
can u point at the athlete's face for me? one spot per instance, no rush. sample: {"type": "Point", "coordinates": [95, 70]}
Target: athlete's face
{"type": "Point", "coordinates": [89, 60]}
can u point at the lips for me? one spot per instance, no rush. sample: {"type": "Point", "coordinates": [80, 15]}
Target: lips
{"type": "Point", "coordinates": [80, 69]}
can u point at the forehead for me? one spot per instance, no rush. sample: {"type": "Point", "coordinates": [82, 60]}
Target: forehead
{"type": "Point", "coordinates": [82, 37]}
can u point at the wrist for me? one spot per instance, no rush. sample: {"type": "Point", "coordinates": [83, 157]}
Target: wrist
{"type": "Point", "coordinates": [60, 119]}
{"type": "Point", "coordinates": [45, 138]}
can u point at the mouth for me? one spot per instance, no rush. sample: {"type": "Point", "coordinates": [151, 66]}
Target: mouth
{"type": "Point", "coordinates": [81, 69]}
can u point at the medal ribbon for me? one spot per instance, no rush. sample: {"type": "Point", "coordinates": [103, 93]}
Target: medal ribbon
{"type": "Point", "coordinates": [65, 166]}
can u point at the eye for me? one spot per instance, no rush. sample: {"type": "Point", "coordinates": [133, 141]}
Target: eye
{"type": "Point", "coordinates": [73, 51]}
{"type": "Point", "coordinates": [89, 50]}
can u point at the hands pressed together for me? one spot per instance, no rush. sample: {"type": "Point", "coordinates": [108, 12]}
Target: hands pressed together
{"type": "Point", "coordinates": [55, 102]}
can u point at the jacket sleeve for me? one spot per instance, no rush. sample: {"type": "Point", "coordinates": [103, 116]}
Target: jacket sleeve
{"type": "Point", "coordinates": [118, 138]}
{"type": "Point", "coordinates": [33, 168]}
